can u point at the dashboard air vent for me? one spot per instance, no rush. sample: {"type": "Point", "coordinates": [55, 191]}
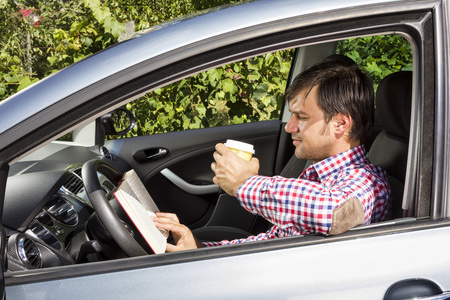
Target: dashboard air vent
{"type": "Point", "coordinates": [74, 183]}
{"type": "Point", "coordinates": [29, 252]}
{"type": "Point", "coordinates": [62, 211]}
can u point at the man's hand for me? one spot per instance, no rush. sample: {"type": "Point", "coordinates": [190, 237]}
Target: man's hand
{"type": "Point", "coordinates": [231, 170]}
{"type": "Point", "coordinates": [183, 237]}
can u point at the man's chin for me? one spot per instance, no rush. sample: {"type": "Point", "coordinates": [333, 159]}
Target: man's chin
{"type": "Point", "coordinates": [300, 154]}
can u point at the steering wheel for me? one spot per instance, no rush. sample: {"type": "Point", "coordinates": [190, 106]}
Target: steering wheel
{"type": "Point", "coordinates": [103, 208]}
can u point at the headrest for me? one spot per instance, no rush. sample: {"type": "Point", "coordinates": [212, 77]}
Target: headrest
{"type": "Point", "coordinates": [393, 103]}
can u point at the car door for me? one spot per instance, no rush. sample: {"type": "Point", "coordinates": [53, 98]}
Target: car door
{"type": "Point", "coordinates": [367, 262]}
{"type": "Point", "coordinates": [403, 285]}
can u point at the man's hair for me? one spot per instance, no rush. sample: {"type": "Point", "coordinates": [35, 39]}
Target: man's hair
{"type": "Point", "coordinates": [342, 88]}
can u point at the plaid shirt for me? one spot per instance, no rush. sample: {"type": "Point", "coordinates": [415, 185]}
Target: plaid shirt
{"type": "Point", "coordinates": [304, 205]}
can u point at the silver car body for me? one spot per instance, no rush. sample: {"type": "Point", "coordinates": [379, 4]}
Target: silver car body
{"type": "Point", "coordinates": [361, 264]}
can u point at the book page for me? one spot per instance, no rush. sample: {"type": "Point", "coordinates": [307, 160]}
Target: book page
{"type": "Point", "coordinates": [134, 187]}
{"type": "Point", "coordinates": [144, 217]}
{"type": "Point", "coordinates": [139, 192]}
{"type": "Point", "coordinates": [140, 207]}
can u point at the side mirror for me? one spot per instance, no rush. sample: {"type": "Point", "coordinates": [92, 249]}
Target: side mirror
{"type": "Point", "coordinates": [118, 122]}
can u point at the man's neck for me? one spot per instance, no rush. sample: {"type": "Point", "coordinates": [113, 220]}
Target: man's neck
{"type": "Point", "coordinates": [341, 147]}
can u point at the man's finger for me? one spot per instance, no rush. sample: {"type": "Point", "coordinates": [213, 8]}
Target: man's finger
{"type": "Point", "coordinates": [164, 223]}
{"type": "Point", "coordinates": [221, 149]}
{"type": "Point", "coordinates": [172, 248]}
{"type": "Point", "coordinates": [170, 216]}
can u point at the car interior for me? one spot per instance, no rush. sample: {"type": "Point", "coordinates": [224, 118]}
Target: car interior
{"type": "Point", "coordinates": [49, 217]}
{"type": "Point", "coordinates": [393, 100]}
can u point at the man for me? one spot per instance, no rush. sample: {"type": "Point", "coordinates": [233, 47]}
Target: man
{"type": "Point", "coordinates": [332, 111]}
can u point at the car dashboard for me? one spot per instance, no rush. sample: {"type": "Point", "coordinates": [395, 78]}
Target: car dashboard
{"type": "Point", "coordinates": [47, 211]}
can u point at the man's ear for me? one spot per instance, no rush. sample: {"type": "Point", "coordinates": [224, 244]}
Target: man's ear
{"type": "Point", "coordinates": [341, 123]}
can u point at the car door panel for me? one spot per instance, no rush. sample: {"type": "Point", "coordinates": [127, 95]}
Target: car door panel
{"type": "Point", "coordinates": [352, 268]}
{"type": "Point", "coordinates": [188, 155]}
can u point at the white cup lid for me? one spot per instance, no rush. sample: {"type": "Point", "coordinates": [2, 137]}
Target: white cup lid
{"type": "Point", "coordinates": [240, 146]}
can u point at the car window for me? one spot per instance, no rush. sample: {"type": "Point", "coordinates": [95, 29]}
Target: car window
{"type": "Point", "coordinates": [249, 90]}
{"type": "Point", "coordinates": [380, 55]}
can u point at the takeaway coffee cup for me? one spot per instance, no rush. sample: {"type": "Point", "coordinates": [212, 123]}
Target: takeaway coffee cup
{"type": "Point", "coordinates": [244, 150]}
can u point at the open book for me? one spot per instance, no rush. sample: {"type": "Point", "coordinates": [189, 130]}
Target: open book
{"type": "Point", "coordinates": [140, 207]}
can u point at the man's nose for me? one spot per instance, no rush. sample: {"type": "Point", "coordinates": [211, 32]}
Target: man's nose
{"type": "Point", "coordinates": [291, 125]}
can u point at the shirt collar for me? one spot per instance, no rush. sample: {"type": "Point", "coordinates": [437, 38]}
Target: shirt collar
{"type": "Point", "coordinates": [324, 168]}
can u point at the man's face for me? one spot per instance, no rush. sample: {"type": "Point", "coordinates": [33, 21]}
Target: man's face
{"type": "Point", "coordinates": [310, 133]}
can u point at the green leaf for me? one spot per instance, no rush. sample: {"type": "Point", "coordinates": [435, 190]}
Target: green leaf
{"type": "Point", "coordinates": [239, 120]}
{"type": "Point", "coordinates": [197, 123]}
{"type": "Point", "coordinates": [16, 59]}
{"type": "Point", "coordinates": [254, 76]}
{"type": "Point", "coordinates": [201, 109]}
{"type": "Point", "coordinates": [168, 106]}
{"type": "Point", "coordinates": [220, 95]}
{"type": "Point", "coordinates": [228, 85]}
{"type": "Point", "coordinates": [162, 118]}
{"type": "Point", "coordinates": [11, 78]}
{"type": "Point", "coordinates": [52, 60]}
{"type": "Point", "coordinates": [269, 59]}
{"type": "Point", "coordinates": [87, 42]}
{"type": "Point", "coordinates": [101, 14]}
{"type": "Point", "coordinates": [261, 91]}
{"type": "Point", "coordinates": [285, 67]}
{"type": "Point", "coordinates": [74, 29]}
{"type": "Point", "coordinates": [200, 87]}
{"type": "Point", "coordinates": [213, 75]}
{"type": "Point", "coordinates": [26, 81]}
{"type": "Point", "coordinates": [373, 68]}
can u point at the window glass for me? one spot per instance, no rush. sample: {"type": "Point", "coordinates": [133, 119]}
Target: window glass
{"type": "Point", "coordinates": [245, 91]}
{"type": "Point", "coordinates": [380, 55]}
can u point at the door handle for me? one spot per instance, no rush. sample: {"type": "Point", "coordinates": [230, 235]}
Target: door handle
{"type": "Point", "coordinates": [151, 154]}
{"type": "Point", "coordinates": [188, 187]}
{"type": "Point", "coordinates": [161, 153]}
{"type": "Point", "coordinates": [416, 288]}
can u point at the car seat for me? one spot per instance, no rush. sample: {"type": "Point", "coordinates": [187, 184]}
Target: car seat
{"type": "Point", "coordinates": [390, 148]}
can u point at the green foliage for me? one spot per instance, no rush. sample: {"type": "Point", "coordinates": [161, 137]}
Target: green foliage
{"type": "Point", "coordinates": [379, 55]}
{"type": "Point", "coordinates": [14, 55]}
{"type": "Point", "coordinates": [204, 4]}
{"type": "Point", "coordinates": [246, 91]}
{"type": "Point", "coordinates": [56, 34]}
